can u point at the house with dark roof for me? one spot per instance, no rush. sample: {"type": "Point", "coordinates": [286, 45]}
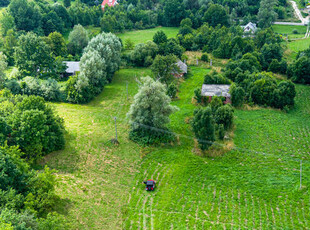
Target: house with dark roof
{"type": "Point", "coordinates": [182, 69]}
{"type": "Point", "coordinates": [213, 90]}
{"type": "Point", "coordinates": [110, 3]}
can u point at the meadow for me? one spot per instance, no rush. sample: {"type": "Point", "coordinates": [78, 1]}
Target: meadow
{"type": "Point", "coordinates": [255, 185]}
{"type": "Point", "coordinates": [288, 30]}
{"type": "Point", "coordinates": [142, 36]}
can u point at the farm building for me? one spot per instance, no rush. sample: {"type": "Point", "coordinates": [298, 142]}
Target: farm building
{"type": "Point", "coordinates": [250, 28]}
{"type": "Point", "coordinates": [216, 90]}
{"type": "Point", "coordinates": [183, 69]}
{"type": "Point", "coordinates": [72, 68]}
{"type": "Point", "coordinates": [108, 3]}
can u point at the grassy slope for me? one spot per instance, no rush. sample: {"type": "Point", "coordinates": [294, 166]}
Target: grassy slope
{"type": "Point", "coordinates": [101, 185]}
{"type": "Point", "coordinates": [243, 189]}
{"type": "Point", "coordinates": [141, 36]}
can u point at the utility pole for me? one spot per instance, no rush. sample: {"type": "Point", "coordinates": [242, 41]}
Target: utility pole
{"type": "Point", "coordinates": [300, 174]}
{"type": "Point", "coordinates": [127, 89]}
{"type": "Point", "coordinates": [115, 129]}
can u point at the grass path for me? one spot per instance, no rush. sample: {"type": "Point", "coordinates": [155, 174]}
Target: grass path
{"type": "Point", "coordinates": [101, 184]}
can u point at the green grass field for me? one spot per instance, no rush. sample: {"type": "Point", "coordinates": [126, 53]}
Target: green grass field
{"type": "Point", "coordinates": [285, 29]}
{"type": "Point", "coordinates": [142, 36]}
{"type": "Point", "coordinates": [253, 186]}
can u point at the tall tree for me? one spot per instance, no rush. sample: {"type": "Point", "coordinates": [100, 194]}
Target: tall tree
{"type": "Point", "coordinates": [203, 127]}
{"type": "Point", "coordinates": [266, 14]}
{"type": "Point", "coordinates": [3, 66]}
{"type": "Point", "coordinates": [26, 15]}
{"type": "Point", "coordinates": [33, 55]}
{"type": "Point", "coordinates": [216, 15]}
{"type": "Point", "coordinates": [6, 22]}
{"type": "Point", "coordinates": [164, 67]}
{"type": "Point", "coordinates": [174, 12]}
{"type": "Point", "coordinates": [57, 44]}
{"type": "Point", "coordinates": [151, 110]}
{"type": "Point", "coordinates": [109, 48]}
{"type": "Point", "coordinates": [78, 40]}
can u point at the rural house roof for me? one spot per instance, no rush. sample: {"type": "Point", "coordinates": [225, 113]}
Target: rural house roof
{"type": "Point", "coordinates": [109, 3]}
{"type": "Point", "coordinates": [215, 90]}
{"type": "Point", "coordinates": [182, 66]}
{"type": "Point", "coordinates": [72, 66]}
{"type": "Point", "coordinates": [250, 27]}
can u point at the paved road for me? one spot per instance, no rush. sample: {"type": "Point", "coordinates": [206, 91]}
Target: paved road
{"type": "Point", "coordinates": [304, 21]}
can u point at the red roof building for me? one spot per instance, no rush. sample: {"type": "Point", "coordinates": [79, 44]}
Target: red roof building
{"type": "Point", "coordinates": [108, 3]}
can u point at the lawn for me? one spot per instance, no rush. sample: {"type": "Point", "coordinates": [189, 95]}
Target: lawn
{"type": "Point", "coordinates": [142, 36]}
{"type": "Point", "coordinates": [253, 186]}
{"type": "Point", "coordinates": [288, 30]}
{"type": "Point", "coordinates": [295, 46]}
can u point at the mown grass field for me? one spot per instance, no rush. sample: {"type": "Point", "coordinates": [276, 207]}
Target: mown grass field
{"type": "Point", "coordinates": [256, 185]}
{"type": "Point", "coordinates": [142, 36]}
{"type": "Point", "coordinates": [286, 29]}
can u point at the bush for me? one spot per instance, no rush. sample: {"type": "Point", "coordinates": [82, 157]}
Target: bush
{"type": "Point", "coordinates": [295, 31]}
{"type": "Point", "coordinates": [143, 54]}
{"type": "Point", "coordinates": [284, 95]}
{"type": "Point", "coordinates": [225, 115]}
{"type": "Point", "coordinates": [198, 97]}
{"type": "Point", "coordinates": [205, 57]}
{"type": "Point", "coordinates": [262, 91]}
{"type": "Point", "coordinates": [172, 90]}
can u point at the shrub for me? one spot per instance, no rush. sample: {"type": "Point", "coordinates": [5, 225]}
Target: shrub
{"type": "Point", "coordinates": [295, 31]}
{"type": "Point", "coordinates": [262, 91]}
{"type": "Point", "coordinates": [284, 95]}
{"type": "Point", "coordinates": [205, 57]}
{"type": "Point", "coordinates": [225, 115]}
{"type": "Point", "coordinates": [198, 97]}
{"type": "Point", "coordinates": [172, 90]}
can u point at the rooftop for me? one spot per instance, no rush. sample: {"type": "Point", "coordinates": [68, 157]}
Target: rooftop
{"type": "Point", "coordinates": [215, 90]}
{"type": "Point", "coordinates": [72, 66]}
{"type": "Point", "coordinates": [182, 66]}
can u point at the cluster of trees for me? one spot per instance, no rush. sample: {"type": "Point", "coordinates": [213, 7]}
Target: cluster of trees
{"type": "Point", "coordinates": [27, 197]}
{"type": "Point", "coordinates": [43, 18]}
{"type": "Point", "coordinates": [101, 58]}
{"type": "Point", "coordinates": [212, 122]}
{"type": "Point", "coordinates": [29, 129]}
{"type": "Point", "coordinates": [31, 124]}
{"type": "Point", "coordinates": [299, 71]}
{"type": "Point", "coordinates": [144, 54]}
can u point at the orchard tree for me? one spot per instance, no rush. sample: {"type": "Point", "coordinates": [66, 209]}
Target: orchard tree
{"type": "Point", "coordinates": [150, 111]}
{"type": "Point", "coordinates": [203, 127]}
{"type": "Point", "coordinates": [78, 40]}
{"type": "Point", "coordinates": [266, 14]}
{"type": "Point", "coordinates": [224, 115]}
{"type": "Point", "coordinates": [109, 48]}
{"type": "Point", "coordinates": [164, 67]}
{"type": "Point", "coordinates": [33, 55]}
{"type": "Point", "coordinates": [57, 44]}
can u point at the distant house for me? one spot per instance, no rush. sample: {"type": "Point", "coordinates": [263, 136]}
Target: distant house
{"type": "Point", "coordinates": [108, 3]}
{"type": "Point", "coordinates": [216, 90]}
{"type": "Point", "coordinates": [183, 69]}
{"type": "Point", "coordinates": [250, 28]}
{"type": "Point", "coordinates": [72, 68]}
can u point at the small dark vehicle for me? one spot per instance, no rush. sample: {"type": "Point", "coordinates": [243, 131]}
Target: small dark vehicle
{"type": "Point", "coordinates": [150, 185]}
